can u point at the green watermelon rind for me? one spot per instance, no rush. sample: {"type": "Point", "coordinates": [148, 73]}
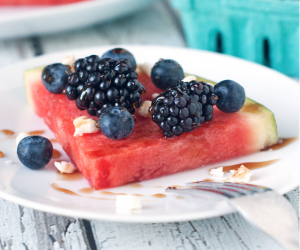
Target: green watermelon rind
{"type": "Point", "coordinates": [270, 124]}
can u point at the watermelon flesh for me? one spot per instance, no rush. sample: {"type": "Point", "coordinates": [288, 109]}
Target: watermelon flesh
{"type": "Point", "coordinates": [146, 154]}
{"type": "Point", "coordinates": [36, 2]}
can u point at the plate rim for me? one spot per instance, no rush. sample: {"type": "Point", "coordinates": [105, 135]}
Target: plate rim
{"type": "Point", "coordinates": [30, 15]}
{"type": "Point", "coordinates": [118, 218]}
{"type": "Point", "coordinates": [41, 11]}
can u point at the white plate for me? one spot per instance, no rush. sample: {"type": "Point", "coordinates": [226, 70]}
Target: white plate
{"type": "Point", "coordinates": [32, 188]}
{"type": "Point", "coordinates": [33, 20]}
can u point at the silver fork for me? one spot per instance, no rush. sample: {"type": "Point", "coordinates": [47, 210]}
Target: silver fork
{"type": "Point", "coordinates": [261, 206]}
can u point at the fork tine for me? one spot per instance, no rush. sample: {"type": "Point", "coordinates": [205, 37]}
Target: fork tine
{"type": "Point", "coordinates": [226, 183]}
{"type": "Point", "coordinates": [227, 189]}
{"type": "Point", "coordinates": [243, 188]}
{"type": "Point", "coordinates": [230, 193]}
{"type": "Point", "coordinates": [255, 208]}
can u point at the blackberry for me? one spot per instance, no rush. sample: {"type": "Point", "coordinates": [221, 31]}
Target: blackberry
{"type": "Point", "coordinates": [99, 83]}
{"type": "Point", "coordinates": [184, 107]}
{"type": "Point", "coordinates": [71, 92]}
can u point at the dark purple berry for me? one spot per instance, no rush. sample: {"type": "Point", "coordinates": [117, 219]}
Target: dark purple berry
{"type": "Point", "coordinates": [79, 64]}
{"type": "Point", "coordinates": [166, 73]}
{"type": "Point", "coordinates": [73, 79]}
{"type": "Point", "coordinates": [92, 59]}
{"type": "Point", "coordinates": [121, 54]}
{"type": "Point", "coordinates": [231, 96]}
{"type": "Point", "coordinates": [100, 97]}
{"type": "Point", "coordinates": [71, 92]}
{"type": "Point", "coordinates": [55, 77]}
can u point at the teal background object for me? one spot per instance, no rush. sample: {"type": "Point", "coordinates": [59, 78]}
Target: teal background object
{"type": "Point", "coordinates": [262, 31]}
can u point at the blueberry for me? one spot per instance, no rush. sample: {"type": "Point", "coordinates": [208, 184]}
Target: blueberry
{"type": "Point", "coordinates": [166, 73]}
{"type": "Point", "coordinates": [116, 123]}
{"type": "Point", "coordinates": [231, 96]}
{"type": "Point", "coordinates": [55, 77]}
{"type": "Point", "coordinates": [35, 152]}
{"type": "Point", "coordinates": [122, 54]}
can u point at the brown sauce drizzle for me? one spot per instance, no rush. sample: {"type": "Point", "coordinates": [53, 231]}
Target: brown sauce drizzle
{"type": "Point", "coordinates": [76, 176]}
{"type": "Point", "coordinates": [281, 143]}
{"type": "Point", "coordinates": [107, 193]}
{"type": "Point", "coordinates": [63, 190]}
{"type": "Point", "coordinates": [1, 154]}
{"type": "Point", "coordinates": [111, 193]}
{"type": "Point", "coordinates": [207, 180]}
{"type": "Point", "coordinates": [176, 186]}
{"type": "Point", "coordinates": [56, 154]}
{"type": "Point", "coordinates": [53, 140]}
{"type": "Point", "coordinates": [179, 197]}
{"type": "Point", "coordinates": [86, 190]}
{"type": "Point", "coordinates": [136, 185]}
{"type": "Point", "coordinates": [159, 186]}
{"type": "Point", "coordinates": [249, 165]}
{"type": "Point", "coordinates": [159, 195]}
{"type": "Point", "coordinates": [36, 132]}
{"type": "Point", "coordinates": [7, 132]}
{"type": "Point", "coordinates": [69, 192]}
{"type": "Point", "coordinates": [8, 137]}
{"type": "Point", "coordinates": [139, 195]}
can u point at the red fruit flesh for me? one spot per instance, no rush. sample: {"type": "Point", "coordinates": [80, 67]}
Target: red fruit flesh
{"type": "Point", "coordinates": [145, 153]}
{"type": "Point", "coordinates": [36, 2]}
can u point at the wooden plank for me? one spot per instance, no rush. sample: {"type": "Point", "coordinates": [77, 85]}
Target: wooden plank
{"type": "Point", "coordinates": [293, 197]}
{"type": "Point", "coordinates": [25, 228]}
{"type": "Point", "coordinates": [230, 232]}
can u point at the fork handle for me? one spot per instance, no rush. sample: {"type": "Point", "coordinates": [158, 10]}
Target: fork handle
{"type": "Point", "coordinates": [273, 214]}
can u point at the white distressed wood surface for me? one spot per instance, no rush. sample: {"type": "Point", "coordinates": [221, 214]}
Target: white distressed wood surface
{"type": "Point", "coordinates": [25, 229]}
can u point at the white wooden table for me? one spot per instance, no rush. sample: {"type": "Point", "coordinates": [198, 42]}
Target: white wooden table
{"type": "Point", "coordinates": [25, 228]}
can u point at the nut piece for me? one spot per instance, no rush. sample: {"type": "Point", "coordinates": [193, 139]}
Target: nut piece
{"type": "Point", "coordinates": [65, 167]}
{"type": "Point", "coordinates": [128, 202]}
{"type": "Point", "coordinates": [243, 175]}
{"type": "Point", "coordinates": [155, 95]}
{"type": "Point", "coordinates": [146, 67]}
{"type": "Point", "coordinates": [143, 111]}
{"type": "Point", "coordinates": [21, 136]}
{"type": "Point", "coordinates": [217, 172]}
{"type": "Point", "coordinates": [84, 125]}
{"type": "Point", "coordinates": [189, 78]}
{"type": "Point", "coordinates": [69, 60]}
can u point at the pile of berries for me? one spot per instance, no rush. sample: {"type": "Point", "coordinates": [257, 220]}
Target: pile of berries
{"type": "Point", "coordinates": [99, 83]}
{"type": "Point", "coordinates": [184, 107]}
{"type": "Point", "coordinates": [107, 87]}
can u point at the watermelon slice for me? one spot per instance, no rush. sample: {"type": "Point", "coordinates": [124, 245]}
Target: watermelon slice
{"type": "Point", "coordinates": [146, 153]}
{"type": "Point", "coordinates": [36, 2]}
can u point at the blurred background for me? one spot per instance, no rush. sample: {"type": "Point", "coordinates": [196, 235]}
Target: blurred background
{"type": "Point", "coordinates": [263, 31]}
